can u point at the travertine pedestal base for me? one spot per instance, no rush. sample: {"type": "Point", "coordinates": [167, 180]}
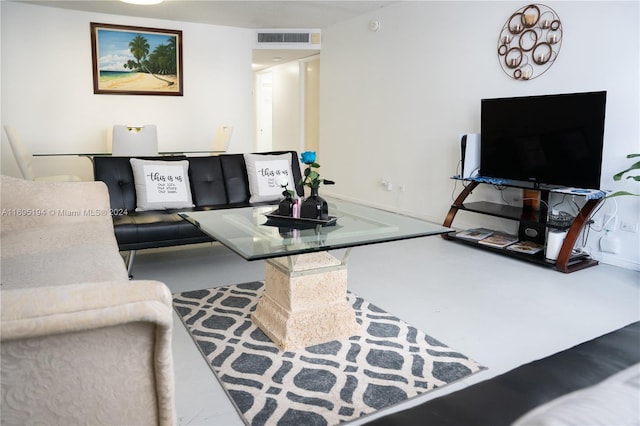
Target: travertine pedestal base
{"type": "Point", "coordinates": [305, 301]}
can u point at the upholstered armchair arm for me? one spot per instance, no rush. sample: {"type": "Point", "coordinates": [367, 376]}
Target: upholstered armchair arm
{"type": "Point", "coordinates": [90, 353]}
{"type": "Point", "coordinates": [27, 204]}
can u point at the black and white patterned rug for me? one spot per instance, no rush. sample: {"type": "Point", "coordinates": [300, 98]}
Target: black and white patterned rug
{"type": "Point", "coordinates": [325, 384]}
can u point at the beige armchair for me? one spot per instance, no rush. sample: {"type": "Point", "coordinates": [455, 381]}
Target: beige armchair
{"type": "Point", "coordinates": [80, 343]}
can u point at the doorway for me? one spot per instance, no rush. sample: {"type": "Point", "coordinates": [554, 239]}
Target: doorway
{"type": "Point", "coordinates": [287, 106]}
{"type": "Point", "coordinates": [311, 71]}
{"type": "Point", "coordinates": [264, 111]}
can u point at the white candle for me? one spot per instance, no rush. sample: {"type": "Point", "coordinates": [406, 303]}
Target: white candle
{"type": "Point", "coordinates": [529, 19]}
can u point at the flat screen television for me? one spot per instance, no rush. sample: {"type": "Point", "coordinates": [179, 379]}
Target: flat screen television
{"type": "Point", "coordinates": [553, 140]}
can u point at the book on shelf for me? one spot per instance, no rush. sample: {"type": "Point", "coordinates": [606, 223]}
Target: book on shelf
{"type": "Point", "coordinates": [499, 240]}
{"type": "Point", "coordinates": [528, 247]}
{"type": "Point", "coordinates": [475, 234]}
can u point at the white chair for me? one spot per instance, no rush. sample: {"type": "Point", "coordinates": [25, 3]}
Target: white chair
{"type": "Point", "coordinates": [135, 141]}
{"type": "Point", "coordinates": [24, 158]}
{"type": "Point", "coordinates": [221, 140]}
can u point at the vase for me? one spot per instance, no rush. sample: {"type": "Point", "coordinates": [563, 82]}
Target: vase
{"type": "Point", "coordinates": [314, 207]}
{"type": "Point", "coordinates": [285, 207]}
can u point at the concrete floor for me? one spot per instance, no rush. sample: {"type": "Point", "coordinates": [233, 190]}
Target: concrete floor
{"type": "Point", "coordinates": [498, 311]}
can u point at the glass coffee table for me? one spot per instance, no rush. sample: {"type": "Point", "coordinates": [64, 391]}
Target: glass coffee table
{"type": "Point", "coordinates": [304, 301]}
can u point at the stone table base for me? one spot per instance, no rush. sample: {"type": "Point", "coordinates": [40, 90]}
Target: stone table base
{"type": "Point", "coordinates": [305, 301]}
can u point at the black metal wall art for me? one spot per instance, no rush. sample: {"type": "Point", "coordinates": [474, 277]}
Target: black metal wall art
{"type": "Point", "coordinates": [529, 42]}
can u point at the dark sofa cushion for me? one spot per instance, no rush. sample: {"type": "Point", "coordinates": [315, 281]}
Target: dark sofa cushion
{"type": "Point", "coordinates": [116, 172]}
{"type": "Point", "coordinates": [150, 229]}
{"type": "Point", "coordinates": [207, 181]}
{"type": "Point", "coordinates": [235, 178]}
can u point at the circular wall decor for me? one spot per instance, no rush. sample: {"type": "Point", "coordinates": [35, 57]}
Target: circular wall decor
{"type": "Point", "coordinates": [529, 42]}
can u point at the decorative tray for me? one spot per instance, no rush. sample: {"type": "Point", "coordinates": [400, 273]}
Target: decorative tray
{"type": "Point", "coordinates": [276, 219]}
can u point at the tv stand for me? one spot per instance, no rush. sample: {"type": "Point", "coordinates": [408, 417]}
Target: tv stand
{"type": "Point", "coordinates": [566, 261]}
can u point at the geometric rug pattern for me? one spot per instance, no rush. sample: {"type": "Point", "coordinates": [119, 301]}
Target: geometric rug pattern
{"type": "Point", "coordinates": [326, 384]}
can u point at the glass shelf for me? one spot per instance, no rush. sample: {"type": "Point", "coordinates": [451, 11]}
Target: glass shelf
{"type": "Point", "coordinates": [589, 194]}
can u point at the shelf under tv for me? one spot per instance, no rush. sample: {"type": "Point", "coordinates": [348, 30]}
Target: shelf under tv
{"type": "Point", "coordinates": [567, 261]}
{"type": "Point", "coordinates": [576, 261]}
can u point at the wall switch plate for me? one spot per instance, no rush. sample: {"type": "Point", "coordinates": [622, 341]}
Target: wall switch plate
{"type": "Point", "coordinates": [629, 227]}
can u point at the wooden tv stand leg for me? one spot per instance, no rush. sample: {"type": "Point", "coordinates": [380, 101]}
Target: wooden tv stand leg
{"type": "Point", "coordinates": [562, 263]}
{"type": "Point", "coordinates": [454, 207]}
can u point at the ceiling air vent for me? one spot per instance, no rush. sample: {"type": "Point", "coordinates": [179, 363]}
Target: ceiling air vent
{"type": "Point", "coordinates": [283, 39]}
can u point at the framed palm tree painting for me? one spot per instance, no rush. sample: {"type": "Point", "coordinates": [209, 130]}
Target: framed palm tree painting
{"type": "Point", "coordinates": [136, 60]}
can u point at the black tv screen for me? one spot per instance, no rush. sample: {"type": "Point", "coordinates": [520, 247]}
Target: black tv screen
{"type": "Point", "coordinates": [553, 140]}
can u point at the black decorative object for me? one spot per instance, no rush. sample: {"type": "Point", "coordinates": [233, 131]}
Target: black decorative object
{"type": "Point", "coordinates": [285, 207]}
{"type": "Point", "coordinates": [314, 207]}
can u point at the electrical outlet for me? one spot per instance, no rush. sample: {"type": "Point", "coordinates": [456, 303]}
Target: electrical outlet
{"type": "Point", "coordinates": [629, 227]}
{"type": "Point", "coordinates": [387, 184]}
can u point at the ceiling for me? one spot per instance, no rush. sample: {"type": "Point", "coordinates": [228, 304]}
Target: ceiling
{"type": "Point", "coordinates": [234, 13]}
{"type": "Point", "coordinates": [256, 14]}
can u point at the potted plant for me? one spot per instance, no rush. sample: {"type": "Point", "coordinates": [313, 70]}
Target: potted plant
{"type": "Point", "coordinates": [636, 177]}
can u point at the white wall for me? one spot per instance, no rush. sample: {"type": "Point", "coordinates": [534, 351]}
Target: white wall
{"type": "Point", "coordinates": [287, 118]}
{"type": "Point", "coordinates": [394, 101]}
{"type": "Point", "coordinates": [47, 89]}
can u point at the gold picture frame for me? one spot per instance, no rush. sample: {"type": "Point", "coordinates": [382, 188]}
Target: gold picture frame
{"type": "Point", "coordinates": [131, 60]}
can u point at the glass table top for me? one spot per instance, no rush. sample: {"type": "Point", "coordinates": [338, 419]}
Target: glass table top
{"type": "Point", "coordinates": [251, 234]}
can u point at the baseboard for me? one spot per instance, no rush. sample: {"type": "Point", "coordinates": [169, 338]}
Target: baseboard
{"type": "Point", "coordinates": [615, 261]}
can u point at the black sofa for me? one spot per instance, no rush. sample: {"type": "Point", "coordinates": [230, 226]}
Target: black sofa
{"type": "Point", "coordinates": [217, 182]}
{"type": "Point", "coordinates": [505, 398]}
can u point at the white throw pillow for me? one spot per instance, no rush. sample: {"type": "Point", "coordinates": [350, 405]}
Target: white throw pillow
{"type": "Point", "coordinates": [264, 171]}
{"type": "Point", "coordinates": [161, 185]}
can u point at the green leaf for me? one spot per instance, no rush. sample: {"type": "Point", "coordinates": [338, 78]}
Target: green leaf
{"type": "Point", "coordinates": [636, 166]}
{"type": "Point", "coordinates": [621, 193]}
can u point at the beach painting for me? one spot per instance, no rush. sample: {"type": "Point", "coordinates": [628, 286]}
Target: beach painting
{"type": "Point", "coordinates": [136, 60]}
